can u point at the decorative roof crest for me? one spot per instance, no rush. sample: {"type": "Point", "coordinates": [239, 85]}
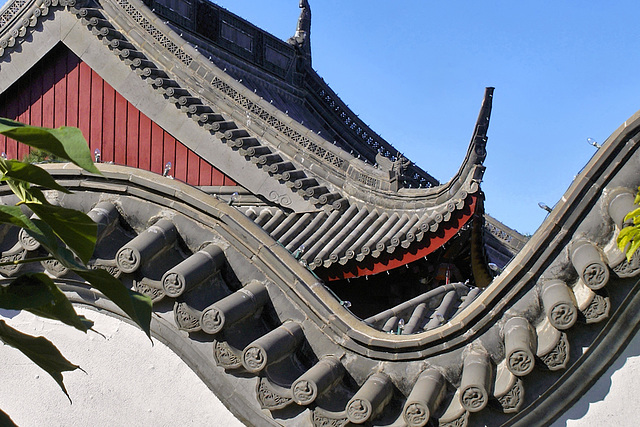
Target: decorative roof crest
{"type": "Point", "coordinates": [301, 39]}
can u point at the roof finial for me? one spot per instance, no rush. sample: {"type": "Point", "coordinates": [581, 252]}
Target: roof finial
{"type": "Point", "coordinates": [301, 39]}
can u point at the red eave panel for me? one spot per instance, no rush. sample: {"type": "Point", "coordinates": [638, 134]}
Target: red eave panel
{"type": "Point", "coordinates": [405, 256]}
{"type": "Point", "coordinates": [61, 90]}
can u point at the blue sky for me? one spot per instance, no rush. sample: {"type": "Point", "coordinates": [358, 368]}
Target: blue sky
{"type": "Point", "coordinates": [416, 71]}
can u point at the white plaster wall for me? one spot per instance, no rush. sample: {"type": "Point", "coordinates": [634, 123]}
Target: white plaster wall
{"type": "Point", "coordinates": [127, 382]}
{"type": "Point", "coordinates": [613, 400]}
{"type": "Point", "coordinates": [131, 382]}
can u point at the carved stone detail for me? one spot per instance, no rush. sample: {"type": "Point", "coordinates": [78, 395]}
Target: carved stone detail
{"type": "Point", "coordinates": [424, 398]}
{"type": "Point", "coordinates": [155, 32]}
{"type": "Point", "coordinates": [55, 267]}
{"type": "Point", "coordinates": [563, 315]}
{"type": "Point", "coordinates": [224, 356]}
{"type": "Point", "coordinates": [235, 307]}
{"type": "Point", "coordinates": [595, 275]}
{"type": "Point", "coordinates": [318, 379]}
{"type": "Point", "coordinates": [474, 398]}
{"type": "Point", "coordinates": [558, 357]}
{"type": "Point", "coordinates": [461, 421]}
{"type": "Point", "coordinates": [270, 398]}
{"type": "Point", "coordinates": [519, 346]}
{"type": "Point", "coordinates": [588, 261]}
{"type": "Point", "coordinates": [304, 391]}
{"type": "Point", "coordinates": [11, 269]}
{"type": "Point", "coordinates": [359, 410]}
{"type": "Point", "coordinates": [212, 320]}
{"type": "Point", "coordinates": [475, 382]}
{"type": "Point", "coordinates": [185, 318]}
{"type": "Point", "coordinates": [370, 399]}
{"type": "Point", "coordinates": [321, 419]}
{"type": "Point", "coordinates": [512, 400]}
{"type": "Point", "coordinates": [255, 358]}
{"type": "Point", "coordinates": [109, 267]}
{"type": "Point", "coordinates": [559, 303]}
{"type": "Point", "coordinates": [173, 284]}
{"type": "Point", "coordinates": [628, 268]}
{"type": "Point", "coordinates": [276, 345]}
{"type": "Point", "coordinates": [416, 414]}
{"type": "Point", "coordinates": [128, 259]}
{"type": "Point", "coordinates": [27, 241]}
{"type": "Point", "coordinates": [520, 362]}
{"type": "Point", "coordinates": [145, 289]}
{"type": "Point", "coordinates": [597, 310]}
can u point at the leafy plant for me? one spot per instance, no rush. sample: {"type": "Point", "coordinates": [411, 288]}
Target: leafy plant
{"type": "Point", "coordinates": [39, 156]}
{"type": "Point", "coordinates": [69, 236]}
{"type": "Point", "coordinates": [629, 237]}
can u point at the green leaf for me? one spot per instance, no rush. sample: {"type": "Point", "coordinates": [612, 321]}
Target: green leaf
{"type": "Point", "coordinates": [37, 293]}
{"type": "Point", "coordinates": [73, 227]}
{"type": "Point", "coordinates": [632, 215]}
{"type": "Point", "coordinates": [632, 249]}
{"type": "Point", "coordinates": [48, 239]}
{"type": "Point", "coordinates": [64, 142]}
{"type": "Point", "coordinates": [41, 352]}
{"type": "Point", "coordinates": [25, 292]}
{"type": "Point", "coordinates": [40, 231]}
{"type": "Point", "coordinates": [137, 306]}
{"type": "Point", "coordinates": [29, 173]}
{"type": "Point", "coordinates": [13, 215]}
{"type": "Point", "coordinates": [628, 240]}
{"type": "Point", "coordinates": [623, 240]}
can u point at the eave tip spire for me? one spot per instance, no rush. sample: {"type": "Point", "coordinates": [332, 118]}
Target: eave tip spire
{"type": "Point", "coordinates": [301, 39]}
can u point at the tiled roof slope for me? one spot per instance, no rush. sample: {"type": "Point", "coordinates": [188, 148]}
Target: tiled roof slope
{"type": "Point", "coordinates": [281, 73]}
{"type": "Point", "coordinates": [515, 353]}
{"type": "Point", "coordinates": [271, 339]}
{"type": "Point", "coordinates": [319, 181]}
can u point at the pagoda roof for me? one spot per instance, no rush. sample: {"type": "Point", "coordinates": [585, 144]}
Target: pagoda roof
{"type": "Point", "coordinates": [281, 73]}
{"type": "Point", "coordinates": [474, 357]}
{"type": "Point", "coordinates": [170, 74]}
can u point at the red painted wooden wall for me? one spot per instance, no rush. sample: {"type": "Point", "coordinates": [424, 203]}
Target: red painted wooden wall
{"type": "Point", "coordinates": [61, 90]}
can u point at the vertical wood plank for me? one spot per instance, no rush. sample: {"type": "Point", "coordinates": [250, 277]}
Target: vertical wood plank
{"type": "Point", "coordinates": [157, 149]}
{"type": "Point", "coordinates": [12, 144]}
{"type": "Point", "coordinates": [108, 122]}
{"type": "Point", "coordinates": [60, 91]}
{"type": "Point", "coordinates": [120, 138]}
{"type": "Point", "coordinates": [73, 81]}
{"type": "Point", "coordinates": [217, 178]}
{"type": "Point", "coordinates": [24, 104]}
{"type": "Point", "coordinates": [180, 171]}
{"type": "Point", "coordinates": [229, 181]}
{"type": "Point", "coordinates": [132, 153]}
{"type": "Point", "coordinates": [144, 142]}
{"type": "Point", "coordinates": [97, 114]}
{"type": "Point", "coordinates": [36, 96]}
{"type": "Point", "coordinates": [3, 113]}
{"type": "Point", "coordinates": [48, 98]}
{"type": "Point", "coordinates": [24, 101]}
{"type": "Point", "coordinates": [84, 102]}
{"type": "Point", "coordinates": [169, 152]}
{"type": "Point", "coordinates": [205, 173]}
{"type": "Point", "coordinates": [193, 168]}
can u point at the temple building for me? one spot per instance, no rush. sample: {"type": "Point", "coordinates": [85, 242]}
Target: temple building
{"type": "Point", "coordinates": [305, 271]}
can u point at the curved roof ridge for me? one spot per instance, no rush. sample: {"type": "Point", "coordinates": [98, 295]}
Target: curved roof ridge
{"type": "Point", "coordinates": [347, 131]}
{"type": "Point", "coordinates": [309, 151]}
{"type": "Point", "coordinates": [429, 217]}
